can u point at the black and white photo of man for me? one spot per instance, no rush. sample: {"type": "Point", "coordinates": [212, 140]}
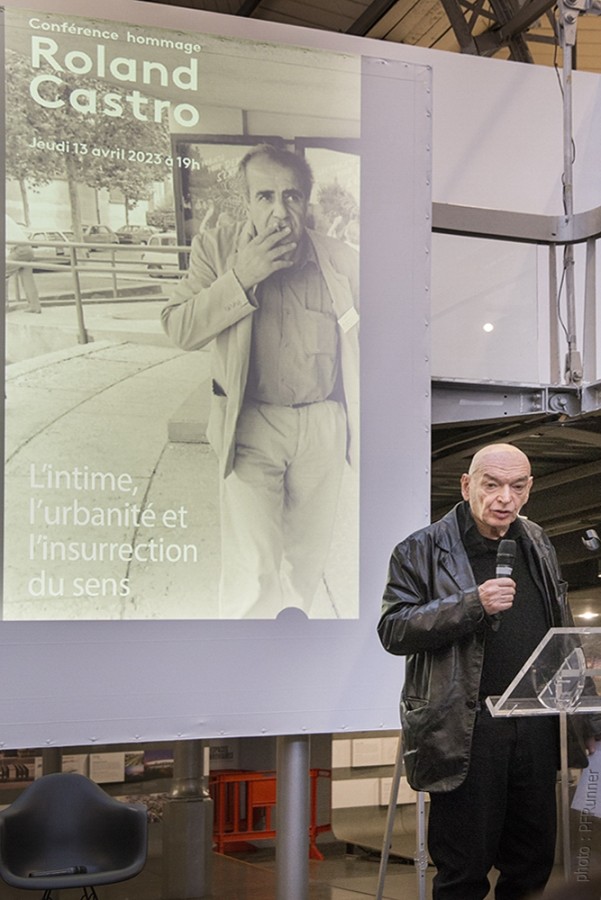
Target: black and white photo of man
{"type": "Point", "coordinates": [279, 302]}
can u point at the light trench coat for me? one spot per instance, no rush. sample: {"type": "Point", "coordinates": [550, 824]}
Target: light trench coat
{"type": "Point", "coordinates": [209, 304]}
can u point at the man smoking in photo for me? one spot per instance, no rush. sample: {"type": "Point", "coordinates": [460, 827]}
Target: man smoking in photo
{"type": "Point", "coordinates": [279, 302]}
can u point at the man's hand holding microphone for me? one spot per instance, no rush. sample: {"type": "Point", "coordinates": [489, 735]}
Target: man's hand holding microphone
{"type": "Point", "coordinates": [498, 593]}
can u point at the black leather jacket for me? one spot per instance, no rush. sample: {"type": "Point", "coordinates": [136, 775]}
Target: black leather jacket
{"type": "Point", "coordinates": [431, 614]}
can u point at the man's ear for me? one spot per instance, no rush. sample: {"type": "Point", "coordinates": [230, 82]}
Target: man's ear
{"type": "Point", "coordinates": [530, 480]}
{"type": "Point", "coordinates": [465, 486]}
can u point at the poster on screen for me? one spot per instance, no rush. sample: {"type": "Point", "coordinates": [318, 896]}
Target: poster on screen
{"type": "Point", "coordinates": [123, 142]}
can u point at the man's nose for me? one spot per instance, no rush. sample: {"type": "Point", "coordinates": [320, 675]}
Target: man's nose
{"type": "Point", "coordinates": [504, 493]}
{"type": "Point", "coordinates": [280, 210]}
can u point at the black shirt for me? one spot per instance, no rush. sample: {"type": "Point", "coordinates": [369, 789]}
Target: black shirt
{"type": "Point", "coordinates": [522, 627]}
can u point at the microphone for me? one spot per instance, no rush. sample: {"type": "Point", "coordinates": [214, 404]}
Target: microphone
{"type": "Point", "coordinates": [505, 559]}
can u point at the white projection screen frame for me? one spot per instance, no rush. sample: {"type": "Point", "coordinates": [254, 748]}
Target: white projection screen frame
{"type": "Point", "coordinates": [97, 654]}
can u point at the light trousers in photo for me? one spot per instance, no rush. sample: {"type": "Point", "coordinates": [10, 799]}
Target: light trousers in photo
{"type": "Point", "coordinates": [278, 507]}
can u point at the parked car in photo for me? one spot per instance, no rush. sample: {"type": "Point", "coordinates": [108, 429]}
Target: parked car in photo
{"type": "Point", "coordinates": [53, 255]}
{"type": "Point", "coordinates": [99, 234]}
{"type": "Point", "coordinates": [135, 234]}
{"type": "Point", "coordinates": [161, 262]}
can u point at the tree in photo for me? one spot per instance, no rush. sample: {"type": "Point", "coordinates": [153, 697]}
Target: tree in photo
{"type": "Point", "coordinates": [83, 145]}
{"type": "Point", "coordinates": [30, 165]}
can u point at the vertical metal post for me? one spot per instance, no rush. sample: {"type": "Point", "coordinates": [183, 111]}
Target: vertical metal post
{"type": "Point", "coordinates": [188, 827]}
{"type": "Point", "coordinates": [589, 348]}
{"type": "Point", "coordinates": [568, 149]}
{"type": "Point", "coordinates": [573, 366]}
{"type": "Point", "coordinates": [421, 856]}
{"type": "Point", "coordinates": [292, 818]}
{"type": "Point", "coordinates": [52, 760]}
{"type": "Point", "coordinates": [555, 373]}
{"type": "Point", "coordinates": [113, 254]}
{"type": "Point", "coordinates": [81, 325]}
{"type": "Point", "coordinates": [392, 800]}
{"type": "Point", "coordinates": [565, 798]}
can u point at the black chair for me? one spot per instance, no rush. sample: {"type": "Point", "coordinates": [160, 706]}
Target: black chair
{"type": "Point", "coordinates": [64, 831]}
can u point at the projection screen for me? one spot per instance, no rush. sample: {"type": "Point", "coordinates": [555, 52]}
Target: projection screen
{"type": "Point", "coordinates": [124, 135]}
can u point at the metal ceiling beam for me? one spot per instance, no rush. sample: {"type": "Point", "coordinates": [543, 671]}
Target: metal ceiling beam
{"type": "Point", "coordinates": [510, 23]}
{"type": "Point", "coordinates": [568, 475]}
{"type": "Point", "coordinates": [525, 228]}
{"type": "Point", "coordinates": [555, 521]}
{"type": "Point", "coordinates": [376, 10]}
{"type": "Point", "coordinates": [518, 48]}
{"type": "Point", "coordinates": [485, 401]}
{"type": "Point", "coordinates": [449, 451]}
{"type": "Point", "coordinates": [460, 27]}
{"type": "Point", "coordinates": [579, 436]}
{"type": "Point", "coordinates": [248, 7]}
{"type": "Point", "coordinates": [527, 15]}
{"type": "Point", "coordinates": [591, 397]}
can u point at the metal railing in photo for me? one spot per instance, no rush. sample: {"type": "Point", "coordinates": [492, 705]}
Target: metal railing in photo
{"type": "Point", "coordinates": [118, 264]}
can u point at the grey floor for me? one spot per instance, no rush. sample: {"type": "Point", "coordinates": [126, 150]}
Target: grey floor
{"type": "Point", "coordinates": [341, 875]}
{"type": "Point", "coordinates": [252, 876]}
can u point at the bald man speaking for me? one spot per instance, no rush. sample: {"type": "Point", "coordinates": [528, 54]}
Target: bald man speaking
{"type": "Point", "coordinates": [466, 629]}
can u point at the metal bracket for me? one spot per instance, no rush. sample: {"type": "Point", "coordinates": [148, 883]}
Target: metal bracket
{"type": "Point", "coordinates": [458, 401]}
{"type": "Point", "coordinates": [569, 10]}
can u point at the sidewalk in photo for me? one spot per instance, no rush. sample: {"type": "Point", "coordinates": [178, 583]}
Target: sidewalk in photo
{"type": "Point", "coordinates": [131, 409]}
{"type": "Point", "coordinates": [104, 407]}
{"type": "Point", "coordinates": [59, 327]}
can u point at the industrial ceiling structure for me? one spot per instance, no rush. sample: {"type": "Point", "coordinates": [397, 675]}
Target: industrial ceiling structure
{"type": "Point", "coordinates": [522, 30]}
{"type": "Point", "coordinates": [560, 432]}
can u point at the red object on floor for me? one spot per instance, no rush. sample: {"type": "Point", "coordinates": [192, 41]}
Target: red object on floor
{"type": "Point", "coordinates": [244, 804]}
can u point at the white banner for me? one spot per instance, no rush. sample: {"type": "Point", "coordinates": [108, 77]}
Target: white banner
{"type": "Point", "coordinates": [205, 474]}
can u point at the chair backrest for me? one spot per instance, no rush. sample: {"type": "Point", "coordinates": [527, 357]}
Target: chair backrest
{"type": "Point", "coordinates": [65, 823]}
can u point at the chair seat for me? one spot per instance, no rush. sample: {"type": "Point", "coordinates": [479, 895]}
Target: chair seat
{"type": "Point", "coordinates": [64, 831]}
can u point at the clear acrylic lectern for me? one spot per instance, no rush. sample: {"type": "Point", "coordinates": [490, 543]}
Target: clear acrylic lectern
{"type": "Point", "coordinates": [562, 677]}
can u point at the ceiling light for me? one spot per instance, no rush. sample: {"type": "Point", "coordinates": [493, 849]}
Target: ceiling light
{"type": "Point", "coordinates": [488, 327]}
{"type": "Point", "coordinates": [591, 540]}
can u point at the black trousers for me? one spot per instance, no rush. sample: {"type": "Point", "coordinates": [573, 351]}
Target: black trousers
{"type": "Point", "coordinates": [502, 816]}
